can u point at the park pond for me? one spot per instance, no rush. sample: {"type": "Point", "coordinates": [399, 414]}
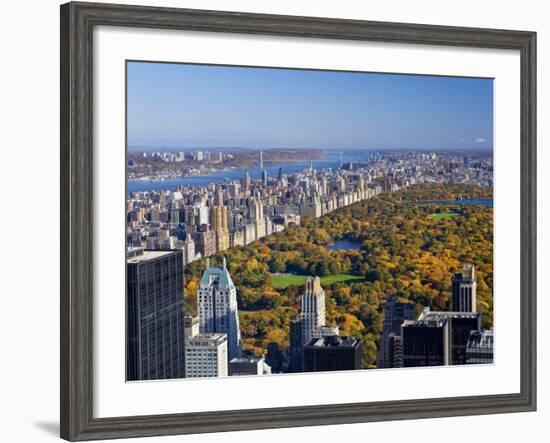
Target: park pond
{"type": "Point", "coordinates": [344, 245]}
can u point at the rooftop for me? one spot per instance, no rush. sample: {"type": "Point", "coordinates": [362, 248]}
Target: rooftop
{"type": "Point", "coordinates": [246, 359]}
{"type": "Point", "coordinates": [206, 340]}
{"type": "Point", "coordinates": [148, 255]}
{"type": "Point", "coordinates": [214, 274]}
{"type": "Point", "coordinates": [333, 341]}
{"type": "Point", "coordinates": [428, 315]}
{"type": "Point", "coordinates": [467, 273]}
{"type": "Point", "coordinates": [481, 339]}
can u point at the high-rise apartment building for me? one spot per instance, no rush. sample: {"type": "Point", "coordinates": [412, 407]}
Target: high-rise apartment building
{"type": "Point", "coordinates": [313, 310]}
{"type": "Point", "coordinates": [154, 302]}
{"type": "Point", "coordinates": [464, 290]}
{"type": "Point", "coordinates": [219, 217]}
{"type": "Point", "coordinates": [205, 242]}
{"type": "Point", "coordinates": [217, 307]}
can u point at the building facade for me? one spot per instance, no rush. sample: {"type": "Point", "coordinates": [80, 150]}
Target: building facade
{"type": "Point", "coordinates": [155, 331]}
{"type": "Point", "coordinates": [438, 338]}
{"type": "Point", "coordinates": [248, 366]}
{"type": "Point", "coordinates": [333, 353]}
{"type": "Point", "coordinates": [313, 310]}
{"type": "Point", "coordinates": [479, 349]}
{"type": "Point", "coordinates": [464, 290]}
{"type": "Point", "coordinates": [296, 349]}
{"type": "Point", "coordinates": [206, 356]}
{"type": "Point", "coordinates": [217, 307]}
{"type": "Point", "coordinates": [425, 342]}
{"type": "Point", "coordinates": [389, 354]}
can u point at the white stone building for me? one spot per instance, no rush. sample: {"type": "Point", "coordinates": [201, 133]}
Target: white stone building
{"type": "Point", "coordinates": [313, 310]}
{"type": "Point", "coordinates": [206, 356]}
{"type": "Point", "coordinates": [217, 307]}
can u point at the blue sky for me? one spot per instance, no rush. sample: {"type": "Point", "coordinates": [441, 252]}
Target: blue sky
{"type": "Point", "coordinates": [187, 106]}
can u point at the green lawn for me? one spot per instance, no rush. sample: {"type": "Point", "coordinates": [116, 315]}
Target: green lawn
{"type": "Point", "coordinates": [282, 281]}
{"type": "Point", "coordinates": [442, 215]}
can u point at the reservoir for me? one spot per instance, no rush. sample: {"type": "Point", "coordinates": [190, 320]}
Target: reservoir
{"type": "Point", "coordinates": [474, 201]}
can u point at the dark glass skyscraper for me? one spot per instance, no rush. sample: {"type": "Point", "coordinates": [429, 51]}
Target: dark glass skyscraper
{"type": "Point", "coordinates": [154, 303]}
{"type": "Point", "coordinates": [296, 349]}
{"type": "Point", "coordinates": [438, 338]}
{"type": "Point", "coordinates": [333, 353]}
{"type": "Point", "coordinates": [389, 350]}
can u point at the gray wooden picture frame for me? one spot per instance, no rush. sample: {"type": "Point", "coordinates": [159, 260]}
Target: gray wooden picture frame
{"type": "Point", "coordinates": [77, 23]}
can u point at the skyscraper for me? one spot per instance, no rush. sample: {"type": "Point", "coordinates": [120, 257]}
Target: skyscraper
{"type": "Point", "coordinates": [217, 307]}
{"type": "Point", "coordinates": [333, 353]}
{"type": "Point", "coordinates": [154, 302]}
{"type": "Point", "coordinates": [219, 217]}
{"type": "Point", "coordinates": [313, 310]}
{"type": "Point", "coordinates": [438, 338]}
{"type": "Point", "coordinates": [296, 357]}
{"type": "Point", "coordinates": [462, 324]}
{"type": "Point", "coordinates": [256, 213]}
{"type": "Point", "coordinates": [426, 342]}
{"type": "Point", "coordinates": [246, 181]}
{"type": "Point", "coordinates": [464, 290]}
{"type": "Point", "coordinates": [388, 354]}
{"type": "Point", "coordinates": [264, 172]}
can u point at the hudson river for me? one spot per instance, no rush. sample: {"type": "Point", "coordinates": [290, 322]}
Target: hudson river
{"type": "Point", "coordinates": [331, 161]}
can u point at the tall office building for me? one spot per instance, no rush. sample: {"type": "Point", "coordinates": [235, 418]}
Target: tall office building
{"type": "Point", "coordinates": [438, 338]}
{"type": "Point", "coordinates": [388, 354]}
{"type": "Point", "coordinates": [262, 169]}
{"type": "Point", "coordinates": [246, 181]}
{"type": "Point", "coordinates": [217, 307]}
{"type": "Point", "coordinates": [295, 352]}
{"type": "Point", "coordinates": [462, 324]}
{"type": "Point", "coordinates": [333, 353]}
{"type": "Point", "coordinates": [426, 342]}
{"type": "Point", "coordinates": [313, 310]}
{"type": "Point", "coordinates": [206, 356]}
{"type": "Point", "coordinates": [464, 290]}
{"type": "Point", "coordinates": [154, 303]}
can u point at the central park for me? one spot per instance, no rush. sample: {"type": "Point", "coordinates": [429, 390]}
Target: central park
{"type": "Point", "coordinates": [407, 243]}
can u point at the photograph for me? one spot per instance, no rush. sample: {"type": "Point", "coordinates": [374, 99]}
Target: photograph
{"type": "Point", "coordinates": [292, 221]}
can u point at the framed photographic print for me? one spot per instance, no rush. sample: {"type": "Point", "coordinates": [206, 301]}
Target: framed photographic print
{"type": "Point", "coordinates": [255, 207]}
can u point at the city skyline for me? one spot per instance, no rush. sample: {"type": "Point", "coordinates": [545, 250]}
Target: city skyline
{"type": "Point", "coordinates": [254, 260]}
{"type": "Point", "coordinates": [188, 106]}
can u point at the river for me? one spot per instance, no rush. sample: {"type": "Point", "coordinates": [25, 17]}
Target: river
{"type": "Point", "coordinates": [331, 160]}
